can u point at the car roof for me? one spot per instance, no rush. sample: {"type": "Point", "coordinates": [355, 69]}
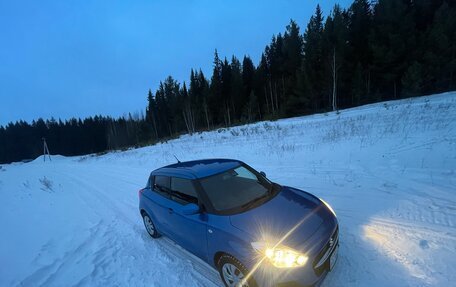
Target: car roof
{"type": "Point", "coordinates": [197, 168]}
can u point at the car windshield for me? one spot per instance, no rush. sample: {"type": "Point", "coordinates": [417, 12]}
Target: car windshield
{"type": "Point", "coordinates": [236, 188]}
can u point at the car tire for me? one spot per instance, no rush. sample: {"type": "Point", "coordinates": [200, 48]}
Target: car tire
{"type": "Point", "coordinates": [150, 226]}
{"type": "Point", "coordinates": [232, 271]}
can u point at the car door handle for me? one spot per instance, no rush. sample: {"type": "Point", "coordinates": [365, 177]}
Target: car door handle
{"type": "Point", "coordinates": [170, 210]}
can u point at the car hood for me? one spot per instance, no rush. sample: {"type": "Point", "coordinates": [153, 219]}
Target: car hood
{"type": "Point", "coordinates": [291, 211]}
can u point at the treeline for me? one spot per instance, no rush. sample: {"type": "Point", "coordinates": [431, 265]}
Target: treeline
{"type": "Point", "coordinates": [367, 53]}
{"type": "Point", "coordinates": [388, 49]}
{"type": "Point", "coordinates": [21, 140]}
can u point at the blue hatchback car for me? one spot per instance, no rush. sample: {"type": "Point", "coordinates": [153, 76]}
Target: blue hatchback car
{"type": "Point", "coordinates": [253, 231]}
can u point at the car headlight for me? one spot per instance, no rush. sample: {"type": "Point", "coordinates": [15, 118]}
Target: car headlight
{"type": "Point", "coordinates": [329, 207]}
{"type": "Point", "coordinates": [281, 256]}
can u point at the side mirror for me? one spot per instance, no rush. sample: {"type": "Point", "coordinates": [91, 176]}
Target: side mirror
{"type": "Point", "coordinates": [263, 173]}
{"type": "Point", "coordinates": [190, 209]}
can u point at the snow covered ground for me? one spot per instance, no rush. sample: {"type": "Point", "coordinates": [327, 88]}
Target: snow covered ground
{"type": "Point", "coordinates": [388, 169]}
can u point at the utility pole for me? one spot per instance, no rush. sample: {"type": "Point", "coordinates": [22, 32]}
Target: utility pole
{"type": "Point", "coordinates": [45, 150]}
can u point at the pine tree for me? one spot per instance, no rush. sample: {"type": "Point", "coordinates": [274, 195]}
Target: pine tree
{"type": "Point", "coordinates": [151, 113]}
{"type": "Point", "coordinates": [227, 107]}
{"type": "Point", "coordinates": [213, 106]}
{"type": "Point", "coordinates": [392, 44]}
{"type": "Point", "coordinates": [260, 87]}
{"type": "Point", "coordinates": [360, 25]}
{"type": "Point", "coordinates": [274, 62]}
{"type": "Point", "coordinates": [335, 43]}
{"type": "Point", "coordinates": [440, 54]}
{"type": "Point", "coordinates": [293, 46]}
{"type": "Point", "coordinates": [236, 89]}
{"type": "Point", "coordinates": [292, 49]}
{"type": "Point", "coordinates": [313, 58]}
{"type": "Point", "coordinates": [359, 56]}
{"type": "Point", "coordinates": [187, 111]}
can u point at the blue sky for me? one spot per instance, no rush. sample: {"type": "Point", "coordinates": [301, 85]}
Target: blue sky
{"type": "Point", "coordinates": [66, 59]}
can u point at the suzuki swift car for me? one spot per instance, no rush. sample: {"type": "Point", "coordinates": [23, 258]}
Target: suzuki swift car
{"type": "Point", "coordinates": [253, 231]}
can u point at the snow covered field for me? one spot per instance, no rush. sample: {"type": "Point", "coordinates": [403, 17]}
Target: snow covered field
{"type": "Point", "coordinates": [388, 169]}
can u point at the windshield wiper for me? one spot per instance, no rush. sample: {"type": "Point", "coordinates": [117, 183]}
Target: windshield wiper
{"type": "Point", "coordinates": [255, 200]}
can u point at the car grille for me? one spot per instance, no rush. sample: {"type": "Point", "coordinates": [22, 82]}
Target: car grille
{"type": "Point", "coordinates": [321, 262]}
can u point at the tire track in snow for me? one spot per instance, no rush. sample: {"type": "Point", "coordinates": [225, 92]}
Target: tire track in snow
{"type": "Point", "coordinates": [128, 220]}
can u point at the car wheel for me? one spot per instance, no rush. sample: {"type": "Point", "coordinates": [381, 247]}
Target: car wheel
{"type": "Point", "coordinates": [233, 272]}
{"type": "Point", "coordinates": [150, 226]}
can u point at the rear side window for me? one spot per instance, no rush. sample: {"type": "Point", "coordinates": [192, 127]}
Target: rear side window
{"type": "Point", "coordinates": [162, 181]}
{"type": "Point", "coordinates": [162, 185]}
{"type": "Point", "coordinates": [183, 191]}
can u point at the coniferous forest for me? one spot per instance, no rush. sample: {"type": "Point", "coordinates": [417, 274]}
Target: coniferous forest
{"type": "Point", "coordinates": [372, 51]}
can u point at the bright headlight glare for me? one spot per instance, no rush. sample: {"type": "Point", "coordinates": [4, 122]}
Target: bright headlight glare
{"type": "Point", "coordinates": [328, 206]}
{"type": "Point", "coordinates": [281, 256]}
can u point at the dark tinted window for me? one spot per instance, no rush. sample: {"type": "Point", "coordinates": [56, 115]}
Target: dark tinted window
{"type": "Point", "coordinates": [161, 185]}
{"type": "Point", "coordinates": [183, 191]}
{"type": "Point", "coordinates": [162, 181]}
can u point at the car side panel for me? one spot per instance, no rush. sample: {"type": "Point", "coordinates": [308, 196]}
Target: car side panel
{"type": "Point", "coordinates": [189, 231]}
{"type": "Point", "coordinates": [223, 237]}
{"type": "Point", "coordinates": [156, 206]}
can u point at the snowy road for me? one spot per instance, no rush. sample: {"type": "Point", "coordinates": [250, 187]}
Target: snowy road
{"type": "Point", "coordinates": [389, 170]}
{"type": "Point", "coordinates": [97, 237]}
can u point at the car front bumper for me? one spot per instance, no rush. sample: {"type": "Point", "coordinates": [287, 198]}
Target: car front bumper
{"type": "Point", "coordinates": [312, 274]}
{"type": "Point", "coordinates": [293, 277]}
